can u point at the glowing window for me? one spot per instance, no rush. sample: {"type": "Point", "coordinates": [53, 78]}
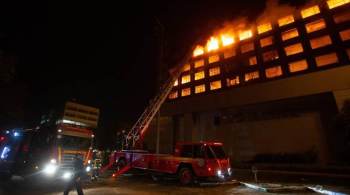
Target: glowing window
{"type": "Point", "coordinates": [297, 66]}
{"type": "Point", "coordinates": [229, 53]}
{"type": "Point", "coordinates": [199, 75]}
{"type": "Point", "coordinates": [173, 95]}
{"type": "Point", "coordinates": [266, 41]}
{"type": "Point", "coordinates": [232, 81]}
{"type": "Point", "coordinates": [286, 20]}
{"type": "Point", "coordinates": [247, 47]}
{"type": "Point", "coordinates": [186, 79]}
{"type": "Point", "coordinates": [227, 39]}
{"type": "Point", "coordinates": [336, 3]}
{"type": "Point", "coordinates": [199, 50]}
{"type": "Point", "coordinates": [245, 34]}
{"type": "Point", "coordinates": [315, 25]}
{"type": "Point", "coordinates": [198, 63]}
{"type": "Point", "coordinates": [212, 44]}
{"type": "Point", "coordinates": [215, 85]}
{"type": "Point", "coordinates": [214, 71]}
{"type": "Point", "coordinates": [310, 11]}
{"type": "Point", "coordinates": [326, 59]}
{"type": "Point", "coordinates": [270, 55]}
{"type": "Point", "coordinates": [251, 76]}
{"type": "Point", "coordinates": [264, 28]}
{"type": "Point", "coordinates": [293, 49]}
{"type": "Point", "coordinates": [345, 34]}
{"type": "Point", "coordinates": [186, 92]}
{"type": "Point", "coordinates": [289, 34]}
{"type": "Point", "coordinates": [199, 89]}
{"type": "Point", "coordinates": [341, 17]}
{"type": "Point", "coordinates": [252, 60]}
{"type": "Point", "coordinates": [187, 67]}
{"type": "Point", "coordinates": [273, 72]}
{"type": "Point", "coordinates": [213, 58]}
{"type": "Point", "coordinates": [176, 83]}
{"type": "Point", "coordinates": [320, 42]}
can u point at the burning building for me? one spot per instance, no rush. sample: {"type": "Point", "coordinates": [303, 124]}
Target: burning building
{"type": "Point", "coordinates": [270, 92]}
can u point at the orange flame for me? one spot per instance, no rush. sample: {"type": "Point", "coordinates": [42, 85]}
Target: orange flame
{"type": "Point", "coordinates": [245, 34]}
{"type": "Point", "coordinates": [227, 39]}
{"type": "Point", "coordinates": [212, 44]}
{"type": "Point", "coordinates": [199, 50]}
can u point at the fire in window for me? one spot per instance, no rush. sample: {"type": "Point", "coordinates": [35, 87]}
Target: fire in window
{"type": "Point", "coordinates": [173, 95]}
{"type": "Point", "coordinates": [286, 20]}
{"type": "Point", "coordinates": [213, 58]}
{"type": "Point", "coordinates": [341, 17]}
{"type": "Point", "coordinates": [273, 72]}
{"type": "Point", "coordinates": [345, 34]}
{"type": "Point", "coordinates": [320, 42]}
{"type": "Point", "coordinates": [266, 41]}
{"type": "Point", "coordinates": [199, 50]}
{"type": "Point", "coordinates": [245, 34]}
{"type": "Point", "coordinates": [227, 39]}
{"type": "Point", "coordinates": [214, 71]}
{"type": "Point", "coordinates": [232, 81]}
{"type": "Point", "coordinates": [251, 76]}
{"type": "Point", "coordinates": [289, 34]}
{"type": "Point", "coordinates": [297, 66]}
{"type": "Point", "coordinates": [252, 61]}
{"type": "Point", "coordinates": [326, 59]}
{"type": "Point", "coordinates": [199, 89]}
{"type": "Point", "coordinates": [212, 44]}
{"type": "Point", "coordinates": [199, 63]}
{"type": "Point", "coordinates": [176, 83]}
{"type": "Point", "coordinates": [229, 53]}
{"type": "Point", "coordinates": [270, 55]}
{"type": "Point", "coordinates": [199, 75]}
{"type": "Point", "coordinates": [336, 3]}
{"type": "Point", "coordinates": [264, 28]}
{"type": "Point", "coordinates": [310, 11]}
{"type": "Point", "coordinates": [215, 85]}
{"type": "Point", "coordinates": [187, 67]}
{"type": "Point", "coordinates": [293, 49]}
{"type": "Point", "coordinates": [186, 79]}
{"type": "Point", "coordinates": [186, 92]}
{"type": "Point", "coordinates": [315, 25]}
{"type": "Point", "coordinates": [247, 47]}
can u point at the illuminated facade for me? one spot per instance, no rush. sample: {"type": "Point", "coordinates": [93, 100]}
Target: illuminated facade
{"type": "Point", "coordinates": [271, 93]}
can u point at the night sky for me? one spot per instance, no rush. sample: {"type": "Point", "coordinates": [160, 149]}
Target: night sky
{"type": "Point", "coordinates": [103, 54]}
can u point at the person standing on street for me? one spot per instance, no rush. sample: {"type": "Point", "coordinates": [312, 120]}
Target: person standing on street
{"type": "Point", "coordinates": [77, 176]}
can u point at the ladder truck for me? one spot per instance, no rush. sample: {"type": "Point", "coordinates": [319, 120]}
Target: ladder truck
{"type": "Point", "coordinates": [191, 161]}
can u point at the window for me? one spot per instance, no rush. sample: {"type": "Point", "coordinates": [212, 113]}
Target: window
{"type": "Point", "coordinates": [270, 55]}
{"type": "Point", "coordinates": [336, 3]}
{"type": "Point", "coordinates": [315, 25]}
{"type": "Point", "coordinates": [186, 79]}
{"type": "Point", "coordinates": [341, 17]}
{"type": "Point", "coordinates": [199, 75]}
{"type": "Point", "coordinates": [266, 41]}
{"type": "Point", "coordinates": [199, 50]}
{"type": "Point", "coordinates": [320, 42]}
{"type": "Point", "coordinates": [298, 66]}
{"type": "Point", "coordinates": [247, 47]}
{"type": "Point", "coordinates": [214, 71]}
{"type": "Point", "coordinates": [251, 76]}
{"type": "Point", "coordinates": [310, 11]}
{"type": "Point", "coordinates": [176, 83]}
{"type": "Point", "coordinates": [213, 58]}
{"type": "Point", "coordinates": [215, 85]}
{"type": "Point", "coordinates": [229, 53]}
{"type": "Point", "coordinates": [293, 49]}
{"type": "Point", "coordinates": [286, 20]}
{"type": "Point", "coordinates": [345, 34]}
{"type": "Point", "coordinates": [264, 28]}
{"type": "Point", "coordinates": [173, 95]}
{"type": "Point", "coordinates": [245, 34]}
{"type": "Point", "coordinates": [185, 92]}
{"type": "Point", "coordinates": [198, 63]}
{"type": "Point", "coordinates": [199, 89]}
{"type": "Point", "coordinates": [289, 34]}
{"type": "Point", "coordinates": [273, 72]}
{"type": "Point", "coordinates": [252, 60]}
{"type": "Point", "coordinates": [232, 81]}
{"type": "Point", "coordinates": [326, 59]}
{"type": "Point", "coordinates": [187, 67]}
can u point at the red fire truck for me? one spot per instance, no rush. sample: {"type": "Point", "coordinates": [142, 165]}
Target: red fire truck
{"type": "Point", "coordinates": [190, 162]}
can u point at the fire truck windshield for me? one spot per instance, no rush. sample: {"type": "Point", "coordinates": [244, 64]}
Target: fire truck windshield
{"type": "Point", "coordinates": [73, 142]}
{"type": "Point", "coordinates": [215, 152]}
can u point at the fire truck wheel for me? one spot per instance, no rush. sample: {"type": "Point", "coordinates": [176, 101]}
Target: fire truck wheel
{"type": "Point", "coordinates": [186, 176]}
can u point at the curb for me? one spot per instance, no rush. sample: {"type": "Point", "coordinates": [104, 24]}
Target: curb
{"type": "Point", "coordinates": [276, 188]}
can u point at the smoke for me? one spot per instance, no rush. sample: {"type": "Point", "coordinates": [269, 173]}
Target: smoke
{"type": "Point", "coordinates": [274, 10]}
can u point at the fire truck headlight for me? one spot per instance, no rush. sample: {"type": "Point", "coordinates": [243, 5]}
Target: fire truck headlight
{"type": "Point", "coordinates": [50, 169]}
{"type": "Point", "coordinates": [67, 175]}
{"type": "Point", "coordinates": [89, 161]}
{"type": "Point", "coordinates": [88, 169]}
{"type": "Point", "coordinates": [219, 173]}
{"type": "Point", "coordinates": [53, 161]}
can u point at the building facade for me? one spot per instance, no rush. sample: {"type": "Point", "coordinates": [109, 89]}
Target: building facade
{"type": "Point", "coordinates": [271, 96]}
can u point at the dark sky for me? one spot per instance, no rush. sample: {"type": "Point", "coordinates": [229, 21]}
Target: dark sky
{"type": "Point", "coordinates": [103, 53]}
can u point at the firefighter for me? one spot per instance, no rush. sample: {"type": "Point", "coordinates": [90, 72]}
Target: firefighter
{"type": "Point", "coordinates": [77, 176]}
